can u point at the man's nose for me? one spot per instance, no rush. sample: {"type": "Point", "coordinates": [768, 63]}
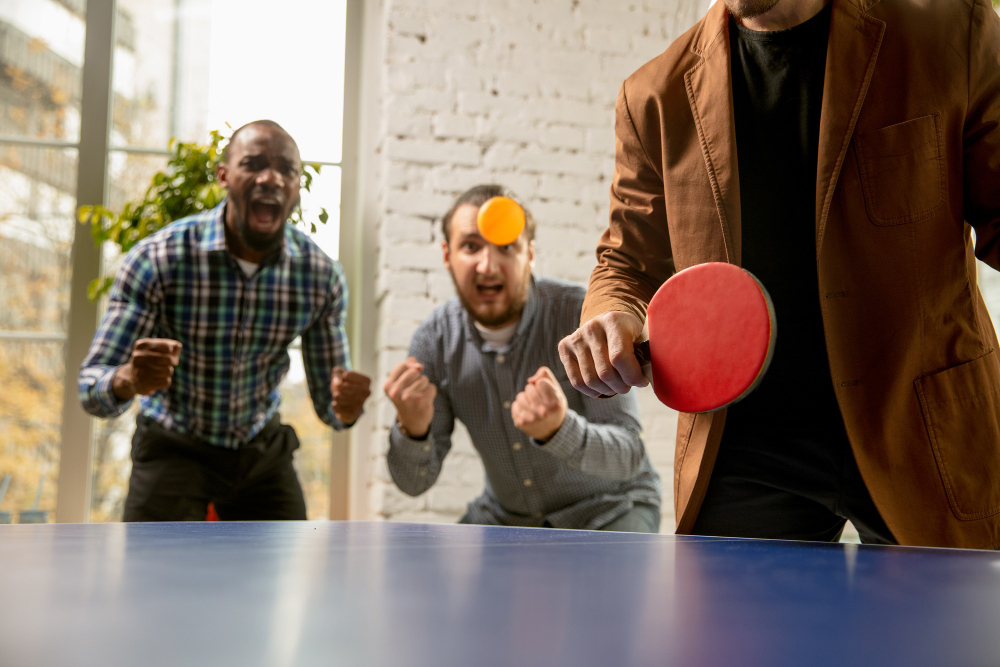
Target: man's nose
{"type": "Point", "coordinates": [487, 259]}
{"type": "Point", "coordinates": [271, 177]}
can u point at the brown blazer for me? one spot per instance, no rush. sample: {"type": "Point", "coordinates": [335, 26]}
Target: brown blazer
{"type": "Point", "coordinates": [909, 164]}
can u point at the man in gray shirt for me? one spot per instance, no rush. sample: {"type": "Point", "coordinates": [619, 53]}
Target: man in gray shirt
{"type": "Point", "coordinates": [553, 457]}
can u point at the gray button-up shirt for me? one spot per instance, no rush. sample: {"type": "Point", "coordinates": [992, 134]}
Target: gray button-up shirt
{"type": "Point", "coordinates": [592, 470]}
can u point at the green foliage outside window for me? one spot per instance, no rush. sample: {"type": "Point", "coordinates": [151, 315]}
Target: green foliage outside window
{"type": "Point", "coordinates": [186, 187]}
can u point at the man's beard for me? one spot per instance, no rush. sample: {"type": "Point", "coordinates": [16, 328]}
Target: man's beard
{"type": "Point", "coordinates": [511, 313]}
{"type": "Point", "coordinates": [254, 240]}
{"type": "Point", "coordinates": [748, 9]}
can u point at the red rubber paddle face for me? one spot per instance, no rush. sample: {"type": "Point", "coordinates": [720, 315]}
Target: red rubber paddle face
{"type": "Point", "coordinates": [711, 335]}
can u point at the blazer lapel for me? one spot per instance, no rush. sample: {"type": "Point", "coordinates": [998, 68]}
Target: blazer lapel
{"type": "Point", "coordinates": [710, 94]}
{"type": "Point", "coordinates": [853, 47]}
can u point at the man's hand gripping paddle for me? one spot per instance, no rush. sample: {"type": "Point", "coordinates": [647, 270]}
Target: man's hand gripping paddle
{"type": "Point", "coordinates": [711, 336]}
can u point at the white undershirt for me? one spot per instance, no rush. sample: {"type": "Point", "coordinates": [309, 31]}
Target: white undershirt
{"type": "Point", "coordinates": [496, 338]}
{"type": "Point", "coordinates": [248, 267]}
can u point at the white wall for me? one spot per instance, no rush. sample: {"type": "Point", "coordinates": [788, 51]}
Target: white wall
{"type": "Point", "coordinates": [519, 92]}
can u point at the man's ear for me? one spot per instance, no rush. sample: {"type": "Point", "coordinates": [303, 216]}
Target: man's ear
{"type": "Point", "coordinates": [446, 255]}
{"type": "Point", "coordinates": [220, 174]}
{"type": "Point", "coordinates": [531, 254]}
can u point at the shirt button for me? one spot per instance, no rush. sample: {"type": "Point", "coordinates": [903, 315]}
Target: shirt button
{"type": "Point", "coordinates": [538, 515]}
{"type": "Point", "coordinates": [506, 405]}
{"type": "Point", "coordinates": [501, 358]}
{"type": "Point", "coordinates": [423, 473]}
{"type": "Point", "coordinates": [427, 448]}
{"type": "Point", "coordinates": [527, 482]}
{"type": "Point", "coordinates": [517, 448]}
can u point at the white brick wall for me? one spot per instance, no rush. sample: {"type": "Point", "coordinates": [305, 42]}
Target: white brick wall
{"type": "Point", "coordinates": [519, 92]}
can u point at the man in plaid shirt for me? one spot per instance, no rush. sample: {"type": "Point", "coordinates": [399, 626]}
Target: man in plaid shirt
{"type": "Point", "coordinates": [200, 319]}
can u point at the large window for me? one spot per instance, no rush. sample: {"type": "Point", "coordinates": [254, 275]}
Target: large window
{"type": "Point", "coordinates": [180, 69]}
{"type": "Point", "coordinates": [41, 54]}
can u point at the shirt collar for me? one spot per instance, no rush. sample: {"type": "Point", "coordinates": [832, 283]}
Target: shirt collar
{"type": "Point", "coordinates": [213, 238]}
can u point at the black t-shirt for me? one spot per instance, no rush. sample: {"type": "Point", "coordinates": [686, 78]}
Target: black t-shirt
{"type": "Point", "coordinates": [777, 93]}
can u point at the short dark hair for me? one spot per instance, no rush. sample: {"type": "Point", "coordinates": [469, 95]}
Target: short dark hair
{"type": "Point", "coordinates": [479, 195]}
{"type": "Point", "coordinates": [264, 121]}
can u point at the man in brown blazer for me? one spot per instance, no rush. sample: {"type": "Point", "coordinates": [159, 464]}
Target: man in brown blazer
{"type": "Point", "coordinates": [846, 152]}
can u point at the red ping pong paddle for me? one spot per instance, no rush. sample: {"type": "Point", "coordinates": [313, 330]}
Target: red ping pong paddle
{"type": "Point", "coordinates": [711, 336]}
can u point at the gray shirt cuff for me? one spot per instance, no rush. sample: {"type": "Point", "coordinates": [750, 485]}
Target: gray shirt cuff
{"type": "Point", "coordinates": [413, 452]}
{"type": "Point", "coordinates": [568, 439]}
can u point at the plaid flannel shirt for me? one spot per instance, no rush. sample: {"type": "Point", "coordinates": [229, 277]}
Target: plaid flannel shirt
{"type": "Point", "coordinates": [182, 283]}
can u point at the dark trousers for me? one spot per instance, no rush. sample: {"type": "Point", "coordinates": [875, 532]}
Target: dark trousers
{"type": "Point", "coordinates": [174, 476]}
{"type": "Point", "coordinates": [642, 518]}
{"type": "Point", "coordinates": [788, 487]}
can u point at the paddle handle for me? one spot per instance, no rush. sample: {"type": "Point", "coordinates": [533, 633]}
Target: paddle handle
{"type": "Point", "coordinates": [645, 360]}
{"type": "Point", "coordinates": [642, 354]}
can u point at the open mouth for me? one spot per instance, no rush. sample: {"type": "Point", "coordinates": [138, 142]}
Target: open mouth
{"type": "Point", "coordinates": [489, 289]}
{"type": "Point", "coordinates": [266, 211]}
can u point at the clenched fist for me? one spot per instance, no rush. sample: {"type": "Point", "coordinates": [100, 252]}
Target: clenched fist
{"type": "Point", "coordinates": [150, 369]}
{"type": "Point", "coordinates": [413, 395]}
{"type": "Point", "coordinates": [350, 389]}
{"type": "Point", "coordinates": [540, 409]}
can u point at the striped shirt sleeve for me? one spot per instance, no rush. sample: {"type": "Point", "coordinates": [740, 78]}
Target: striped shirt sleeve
{"type": "Point", "coordinates": [325, 345]}
{"type": "Point", "coordinates": [131, 315]}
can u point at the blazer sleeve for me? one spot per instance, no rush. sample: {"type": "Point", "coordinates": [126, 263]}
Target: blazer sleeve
{"type": "Point", "coordinates": [633, 256]}
{"type": "Point", "coordinates": [982, 133]}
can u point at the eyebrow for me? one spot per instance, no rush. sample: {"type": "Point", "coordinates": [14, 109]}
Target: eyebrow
{"type": "Point", "coordinates": [280, 158]}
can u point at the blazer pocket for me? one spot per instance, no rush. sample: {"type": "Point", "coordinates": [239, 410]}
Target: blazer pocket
{"type": "Point", "coordinates": [902, 170]}
{"type": "Point", "coordinates": [961, 409]}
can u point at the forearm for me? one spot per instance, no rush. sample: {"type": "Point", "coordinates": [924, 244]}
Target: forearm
{"type": "Point", "coordinates": [324, 347]}
{"type": "Point", "coordinates": [608, 451]}
{"type": "Point", "coordinates": [130, 316]}
{"type": "Point", "coordinates": [634, 256]}
{"type": "Point", "coordinates": [981, 147]}
{"type": "Point", "coordinates": [414, 465]}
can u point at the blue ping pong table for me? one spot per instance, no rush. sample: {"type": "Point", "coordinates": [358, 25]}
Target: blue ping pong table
{"type": "Point", "coordinates": [363, 593]}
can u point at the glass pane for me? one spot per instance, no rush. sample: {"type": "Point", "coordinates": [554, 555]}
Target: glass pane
{"type": "Point", "coordinates": [160, 79]}
{"type": "Point", "coordinates": [191, 71]}
{"type": "Point", "coordinates": [112, 465]}
{"type": "Point", "coordinates": [324, 193]}
{"type": "Point", "coordinates": [31, 386]}
{"type": "Point", "coordinates": [310, 103]}
{"type": "Point", "coordinates": [129, 175]}
{"type": "Point", "coordinates": [312, 461]}
{"type": "Point", "coordinates": [37, 201]}
{"type": "Point", "coordinates": [989, 284]}
{"type": "Point", "coordinates": [41, 60]}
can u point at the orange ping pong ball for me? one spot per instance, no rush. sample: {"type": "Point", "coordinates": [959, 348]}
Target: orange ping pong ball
{"type": "Point", "coordinates": [500, 220]}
